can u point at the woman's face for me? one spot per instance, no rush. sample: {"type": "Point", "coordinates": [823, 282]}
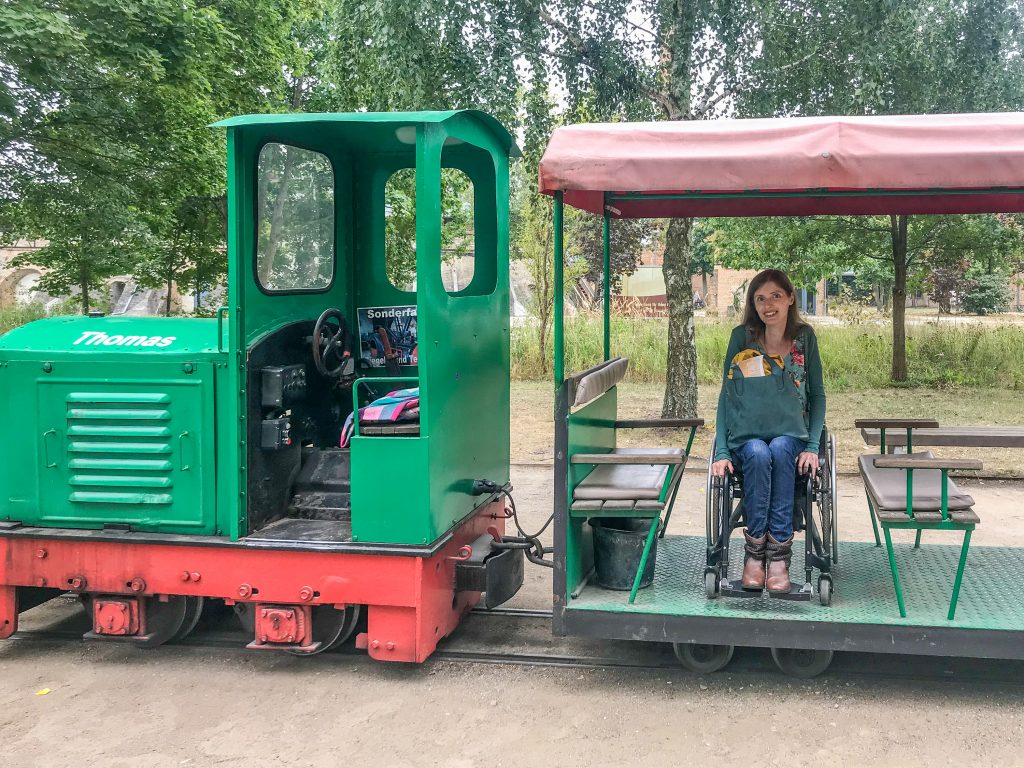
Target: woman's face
{"type": "Point", "coordinates": [772, 304]}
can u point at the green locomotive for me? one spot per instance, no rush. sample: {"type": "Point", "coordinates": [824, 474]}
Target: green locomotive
{"type": "Point", "coordinates": [170, 461]}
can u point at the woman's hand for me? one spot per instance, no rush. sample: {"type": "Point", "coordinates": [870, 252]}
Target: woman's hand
{"type": "Point", "coordinates": [807, 463]}
{"type": "Point", "coordinates": [720, 467]}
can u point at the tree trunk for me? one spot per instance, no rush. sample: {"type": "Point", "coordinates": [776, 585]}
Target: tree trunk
{"type": "Point", "coordinates": [83, 285]}
{"type": "Point", "coordinates": [170, 282]}
{"type": "Point", "coordinates": [898, 231]}
{"type": "Point", "coordinates": [681, 379]}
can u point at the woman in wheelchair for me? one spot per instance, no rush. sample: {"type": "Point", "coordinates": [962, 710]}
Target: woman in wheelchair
{"type": "Point", "coordinates": [771, 411]}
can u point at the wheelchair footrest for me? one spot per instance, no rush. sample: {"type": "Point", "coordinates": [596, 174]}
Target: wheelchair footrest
{"type": "Point", "coordinates": [800, 592]}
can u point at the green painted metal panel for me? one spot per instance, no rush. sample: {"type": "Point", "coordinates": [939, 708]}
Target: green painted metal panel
{"type": "Point", "coordinates": [137, 449]}
{"type": "Point", "coordinates": [389, 502]}
{"type": "Point", "coordinates": [591, 430]}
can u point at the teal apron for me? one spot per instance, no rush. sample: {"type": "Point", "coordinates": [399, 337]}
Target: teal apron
{"type": "Point", "coordinates": [762, 408]}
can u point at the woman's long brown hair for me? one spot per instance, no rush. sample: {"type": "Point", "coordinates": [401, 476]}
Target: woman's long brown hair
{"type": "Point", "coordinates": [753, 321]}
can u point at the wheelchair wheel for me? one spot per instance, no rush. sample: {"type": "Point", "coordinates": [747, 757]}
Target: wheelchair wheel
{"type": "Point", "coordinates": [703, 658]}
{"type": "Point", "coordinates": [825, 590]}
{"type": "Point", "coordinates": [801, 662]}
{"type": "Point", "coordinates": [710, 584]}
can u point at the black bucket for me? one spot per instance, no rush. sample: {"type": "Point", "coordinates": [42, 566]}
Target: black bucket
{"type": "Point", "coordinates": [618, 547]}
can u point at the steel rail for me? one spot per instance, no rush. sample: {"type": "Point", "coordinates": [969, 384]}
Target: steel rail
{"type": "Point", "coordinates": [234, 641]}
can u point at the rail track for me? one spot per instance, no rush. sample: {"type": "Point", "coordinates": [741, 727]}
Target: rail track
{"type": "Point", "coordinates": [545, 651]}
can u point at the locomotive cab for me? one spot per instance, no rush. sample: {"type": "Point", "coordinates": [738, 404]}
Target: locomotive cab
{"type": "Point", "coordinates": [332, 310]}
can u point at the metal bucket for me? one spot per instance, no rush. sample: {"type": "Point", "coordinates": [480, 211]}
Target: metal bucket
{"type": "Point", "coordinates": [618, 546]}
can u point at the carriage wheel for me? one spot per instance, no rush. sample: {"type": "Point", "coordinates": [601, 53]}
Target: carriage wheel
{"type": "Point", "coordinates": [703, 658]}
{"type": "Point", "coordinates": [802, 662]}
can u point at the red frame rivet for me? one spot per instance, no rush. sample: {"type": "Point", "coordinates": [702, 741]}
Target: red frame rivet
{"type": "Point", "coordinates": [306, 594]}
{"type": "Point", "coordinates": [41, 554]}
{"type": "Point", "coordinates": [390, 645]}
{"type": "Point", "coordinates": [137, 585]}
{"type": "Point", "coordinates": [195, 576]}
{"type": "Point", "coordinates": [244, 590]}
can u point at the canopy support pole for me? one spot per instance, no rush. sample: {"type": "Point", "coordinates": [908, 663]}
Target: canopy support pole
{"type": "Point", "coordinates": [607, 285]}
{"type": "Point", "coordinates": [559, 292]}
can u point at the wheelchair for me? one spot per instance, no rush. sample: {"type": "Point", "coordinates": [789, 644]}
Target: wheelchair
{"type": "Point", "coordinates": [814, 512]}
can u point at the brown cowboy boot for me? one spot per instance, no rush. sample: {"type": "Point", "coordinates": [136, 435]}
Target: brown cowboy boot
{"type": "Point", "coordinates": [753, 565]}
{"type": "Point", "coordinates": [779, 553]}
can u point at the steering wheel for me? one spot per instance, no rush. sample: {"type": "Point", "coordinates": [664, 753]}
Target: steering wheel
{"type": "Point", "coordinates": [330, 335]}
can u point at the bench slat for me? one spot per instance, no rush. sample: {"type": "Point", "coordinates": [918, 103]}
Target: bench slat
{"type": "Point", "coordinates": [910, 462]}
{"type": "Point", "coordinates": [895, 423]}
{"type": "Point", "coordinates": [657, 423]}
{"type": "Point", "coordinates": [627, 458]}
{"type": "Point", "coordinates": [959, 437]}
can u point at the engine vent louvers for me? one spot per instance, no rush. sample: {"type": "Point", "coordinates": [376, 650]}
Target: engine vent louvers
{"type": "Point", "coordinates": [120, 448]}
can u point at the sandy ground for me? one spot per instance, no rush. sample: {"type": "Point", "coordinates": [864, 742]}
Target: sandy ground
{"type": "Point", "coordinates": [110, 705]}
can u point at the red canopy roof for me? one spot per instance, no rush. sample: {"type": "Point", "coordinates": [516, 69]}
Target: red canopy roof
{"type": "Point", "coordinates": [791, 166]}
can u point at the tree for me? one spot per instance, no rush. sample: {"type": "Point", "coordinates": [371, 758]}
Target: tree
{"type": "Point", "coordinates": [897, 57]}
{"type": "Point", "coordinates": [104, 138]}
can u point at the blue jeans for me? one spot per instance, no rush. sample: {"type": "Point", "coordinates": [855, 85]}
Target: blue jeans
{"type": "Point", "coordinates": [769, 479]}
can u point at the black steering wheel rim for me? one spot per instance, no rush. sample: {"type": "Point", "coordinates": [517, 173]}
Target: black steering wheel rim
{"type": "Point", "coordinates": [330, 343]}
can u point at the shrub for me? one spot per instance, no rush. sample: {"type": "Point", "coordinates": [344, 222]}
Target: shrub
{"type": "Point", "coordinates": [990, 293]}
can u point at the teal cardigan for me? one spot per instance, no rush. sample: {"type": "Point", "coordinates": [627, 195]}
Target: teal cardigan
{"type": "Point", "coordinates": [803, 362]}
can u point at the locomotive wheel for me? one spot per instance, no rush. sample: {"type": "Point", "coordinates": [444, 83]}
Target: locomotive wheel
{"type": "Point", "coordinates": [329, 628]}
{"type": "Point", "coordinates": [244, 612]}
{"type": "Point", "coordinates": [164, 620]}
{"type": "Point", "coordinates": [703, 658]}
{"type": "Point", "coordinates": [193, 610]}
{"type": "Point", "coordinates": [802, 662]}
{"type": "Point", "coordinates": [352, 615]}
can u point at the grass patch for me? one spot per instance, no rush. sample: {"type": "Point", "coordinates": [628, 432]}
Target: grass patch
{"type": "Point", "coordinates": [533, 427]}
{"type": "Point", "coordinates": [12, 317]}
{"type": "Point", "coordinates": [857, 357]}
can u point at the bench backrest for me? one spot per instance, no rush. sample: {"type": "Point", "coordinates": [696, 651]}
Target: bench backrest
{"type": "Point", "coordinates": [594, 382]}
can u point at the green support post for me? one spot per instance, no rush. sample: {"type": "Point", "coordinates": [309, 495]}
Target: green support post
{"type": "Point", "coordinates": [559, 292]}
{"type": "Point", "coordinates": [895, 573]}
{"type": "Point", "coordinates": [959, 574]}
{"type": "Point", "coordinates": [607, 286]}
{"type": "Point", "coordinates": [655, 523]}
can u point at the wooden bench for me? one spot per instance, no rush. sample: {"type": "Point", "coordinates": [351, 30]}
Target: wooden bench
{"type": "Point", "coordinates": [621, 482]}
{"type": "Point", "coordinates": [914, 492]}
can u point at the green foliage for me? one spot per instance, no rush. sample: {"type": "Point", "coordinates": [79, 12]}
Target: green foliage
{"type": "Point", "coordinates": [104, 148]}
{"type": "Point", "coordinates": [989, 293]}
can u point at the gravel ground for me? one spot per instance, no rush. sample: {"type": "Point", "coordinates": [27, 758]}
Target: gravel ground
{"type": "Point", "coordinates": [110, 705]}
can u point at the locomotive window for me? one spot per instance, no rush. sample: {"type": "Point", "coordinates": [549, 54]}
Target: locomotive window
{"type": "Point", "coordinates": [457, 263]}
{"type": "Point", "coordinates": [294, 219]}
{"type": "Point", "coordinates": [400, 229]}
